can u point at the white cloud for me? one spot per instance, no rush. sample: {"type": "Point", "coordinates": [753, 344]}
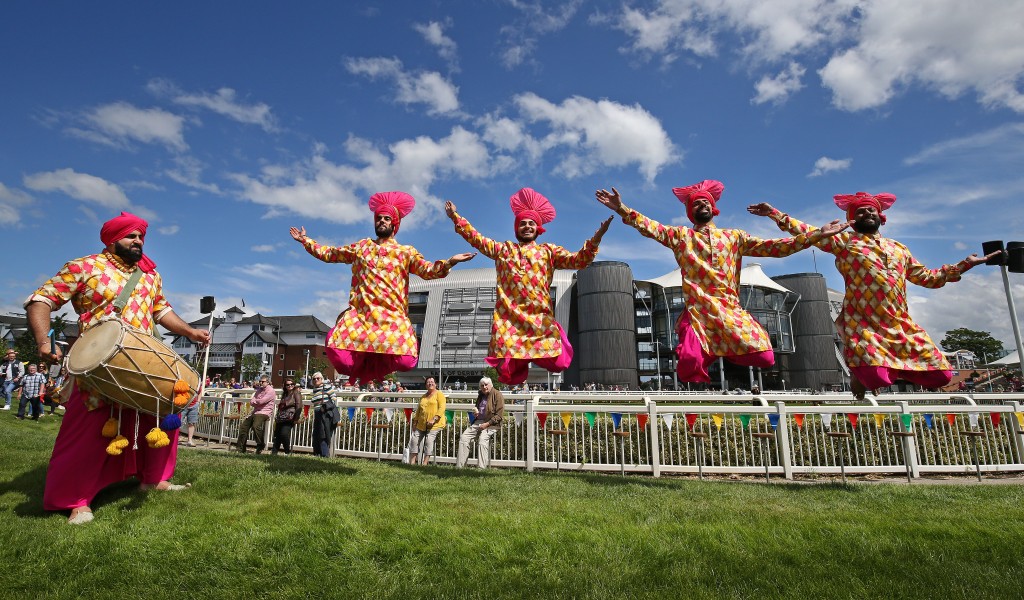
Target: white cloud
{"type": "Point", "coordinates": [948, 46]}
{"type": "Point", "coordinates": [188, 171]}
{"type": "Point", "coordinates": [169, 230]}
{"type": "Point", "coordinates": [120, 123]}
{"type": "Point", "coordinates": [777, 89]}
{"type": "Point", "coordinates": [595, 134]}
{"type": "Point", "coordinates": [321, 189]}
{"type": "Point", "coordinates": [1008, 138]}
{"type": "Point", "coordinates": [978, 301]}
{"type": "Point", "coordinates": [433, 33]}
{"type": "Point", "coordinates": [519, 39]}
{"type": "Point", "coordinates": [428, 87]}
{"type": "Point", "coordinates": [80, 186]}
{"type": "Point", "coordinates": [326, 304]}
{"type": "Point", "coordinates": [263, 248]}
{"type": "Point", "coordinates": [10, 201]}
{"type": "Point", "coordinates": [222, 102]}
{"type": "Point", "coordinates": [827, 165]}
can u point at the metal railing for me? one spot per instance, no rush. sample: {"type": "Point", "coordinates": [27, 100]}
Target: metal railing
{"type": "Point", "coordinates": [685, 433]}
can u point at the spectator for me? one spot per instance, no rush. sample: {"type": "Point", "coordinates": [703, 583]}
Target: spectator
{"type": "Point", "coordinates": [288, 412]}
{"type": "Point", "coordinates": [190, 418]}
{"type": "Point", "coordinates": [262, 402]}
{"type": "Point", "coordinates": [10, 375]}
{"type": "Point", "coordinates": [488, 413]}
{"type": "Point", "coordinates": [33, 387]}
{"type": "Point", "coordinates": [428, 420]}
{"type": "Point", "coordinates": [325, 415]}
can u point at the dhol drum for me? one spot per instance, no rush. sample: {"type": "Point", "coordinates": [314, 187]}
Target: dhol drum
{"type": "Point", "coordinates": [130, 367]}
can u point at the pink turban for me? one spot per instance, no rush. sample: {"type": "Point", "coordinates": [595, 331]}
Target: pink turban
{"type": "Point", "coordinates": [709, 189]}
{"type": "Point", "coordinates": [395, 204]}
{"type": "Point", "coordinates": [528, 204]}
{"type": "Point", "coordinates": [851, 202]}
{"type": "Point", "coordinates": [119, 227]}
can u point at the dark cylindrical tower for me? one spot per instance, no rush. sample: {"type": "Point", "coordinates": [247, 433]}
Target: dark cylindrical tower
{"type": "Point", "coordinates": [605, 328]}
{"type": "Point", "coordinates": [814, 365]}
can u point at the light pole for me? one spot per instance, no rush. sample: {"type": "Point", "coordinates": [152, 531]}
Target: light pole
{"type": "Point", "coordinates": [1011, 259]}
{"type": "Point", "coordinates": [305, 374]}
{"type": "Point", "coordinates": [657, 349]}
{"type": "Point", "coordinates": [440, 379]}
{"type": "Point", "coordinates": [668, 336]}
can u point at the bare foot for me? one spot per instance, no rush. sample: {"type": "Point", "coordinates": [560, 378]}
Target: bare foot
{"type": "Point", "coordinates": [80, 515]}
{"type": "Point", "coordinates": [164, 486]}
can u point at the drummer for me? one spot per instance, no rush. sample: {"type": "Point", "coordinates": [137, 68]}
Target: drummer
{"type": "Point", "coordinates": [80, 466]}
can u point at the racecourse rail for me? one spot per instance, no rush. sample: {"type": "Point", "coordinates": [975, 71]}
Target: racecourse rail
{"type": "Point", "coordinates": [687, 433]}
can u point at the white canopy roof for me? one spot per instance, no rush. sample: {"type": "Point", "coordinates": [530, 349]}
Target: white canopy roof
{"type": "Point", "coordinates": [1009, 359]}
{"type": "Point", "coordinates": [751, 275]}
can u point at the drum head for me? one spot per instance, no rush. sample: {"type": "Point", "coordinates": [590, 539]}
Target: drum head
{"type": "Point", "coordinates": [95, 346]}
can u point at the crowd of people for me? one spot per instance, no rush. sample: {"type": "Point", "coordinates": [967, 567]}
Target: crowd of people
{"type": "Point", "coordinates": [34, 386]}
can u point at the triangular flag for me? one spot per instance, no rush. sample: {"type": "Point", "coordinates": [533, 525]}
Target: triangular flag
{"type": "Point", "coordinates": [773, 418]}
{"type": "Point", "coordinates": [305, 412]}
{"type": "Point", "coordinates": [389, 414]}
{"type": "Point", "coordinates": [906, 418]}
{"type": "Point", "coordinates": [449, 415]}
{"type": "Point", "coordinates": [745, 421]}
{"type": "Point", "coordinates": [542, 418]}
{"type": "Point", "coordinates": [928, 420]}
{"type": "Point", "coordinates": [566, 419]}
{"type": "Point", "coordinates": [369, 412]}
{"type": "Point", "coordinates": [997, 418]}
{"type": "Point", "coordinates": [1020, 418]}
{"type": "Point", "coordinates": [669, 418]}
{"type": "Point", "coordinates": [972, 418]}
{"type": "Point", "coordinates": [471, 417]}
{"type": "Point", "coordinates": [691, 419]}
{"type": "Point", "coordinates": [590, 418]}
{"type": "Point", "coordinates": [718, 418]}
{"type": "Point", "coordinates": [351, 413]}
{"type": "Point", "coordinates": [518, 417]}
{"type": "Point", "coordinates": [641, 420]}
{"type": "Point", "coordinates": [617, 420]}
{"type": "Point", "coordinates": [951, 418]}
{"type": "Point", "coordinates": [826, 420]}
{"type": "Point", "coordinates": [879, 419]}
{"type": "Point", "coordinates": [799, 418]}
{"type": "Point", "coordinates": [853, 419]}
{"type": "Point", "coordinates": [408, 413]}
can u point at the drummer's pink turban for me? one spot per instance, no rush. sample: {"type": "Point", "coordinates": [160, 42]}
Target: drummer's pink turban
{"type": "Point", "coordinates": [395, 204]}
{"type": "Point", "coordinates": [119, 227]}
{"type": "Point", "coordinates": [529, 204]}
{"type": "Point", "coordinates": [851, 202]}
{"type": "Point", "coordinates": [709, 189]}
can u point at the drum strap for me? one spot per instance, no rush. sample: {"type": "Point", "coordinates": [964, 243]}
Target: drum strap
{"type": "Point", "coordinates": [122, 298]}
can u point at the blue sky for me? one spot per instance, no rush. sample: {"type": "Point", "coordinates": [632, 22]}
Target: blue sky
{"type": "Point", "coordinates": [226, 123]}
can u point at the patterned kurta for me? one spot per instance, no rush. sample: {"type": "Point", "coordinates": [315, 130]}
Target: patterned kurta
{"type": "Point", "coordinates": [876, 328]}
{"type": "Point", "coordinates": [378, 317]}
{"type": "Point", "coordinates": [523, 325]}
{"type": "Point", "coordinates": [710, 259]}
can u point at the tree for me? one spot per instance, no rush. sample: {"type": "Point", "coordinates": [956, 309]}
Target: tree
{"type": "Point", "coordinates": [252, 366]}
{"type": "Point", "coordinates": [491, 372]}
{"type": "Point", "coordinates": [981, 343]}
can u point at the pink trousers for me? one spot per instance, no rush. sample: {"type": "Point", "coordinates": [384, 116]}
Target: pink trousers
{"type": "Point", "coordinates": [693, 362]}
{"type": "Point", "coordinates": [80, 466]}
{"type": "Point", "coordinates": [879, 377]}
{"type": "Point", "coordinates": [364, 367]}
{"type": "Point", "coordinates": [513, 371]}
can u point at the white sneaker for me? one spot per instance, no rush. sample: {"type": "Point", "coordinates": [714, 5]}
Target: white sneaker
{"type": "Point", "coordinates": [7, 408]}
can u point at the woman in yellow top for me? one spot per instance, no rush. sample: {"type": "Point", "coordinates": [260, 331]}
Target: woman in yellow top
{"type": "Point", "coordinates": [426, 422]}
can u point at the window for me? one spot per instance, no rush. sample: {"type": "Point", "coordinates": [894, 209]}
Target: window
{"type": "Point", "coordinates": [280, 356]}
{"type": "Point", "coordinates": [310, 336]}
{"type": "Point", "coordinates": [291, 372]}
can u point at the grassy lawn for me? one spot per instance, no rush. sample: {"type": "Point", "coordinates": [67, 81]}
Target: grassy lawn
{"type": "Point", "coordinates": [299, 527]}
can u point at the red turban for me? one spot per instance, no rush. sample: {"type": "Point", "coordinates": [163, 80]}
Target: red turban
{"type": "Point", "coordinates": [851, 202]}
{"type": "Point", "coordinates": [395, 204]}
{"type": "Point", "coordinates": [709, 189]}
{"type": "Point", "coordinates": [527, 203]}
{"type": "Point", "coordinates": [119, 227]}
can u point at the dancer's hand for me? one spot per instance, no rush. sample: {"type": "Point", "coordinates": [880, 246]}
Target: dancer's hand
{"type": "Point", "coordinates": [449, 209]}
{"type": "Point", "coordinates": [461, 257]}
{"type": "Point", "coordinates": [201, 336]}
{"type": "Point", "coordinates": [974, 260]}
{"type": "Point", "coordinates": [601, 231]}
{"type": "Point", "coordinates": [298, 234]}
{"type": "Point", "coordinates": [610, 199]}
{"type": "Point", "coordinates": [833, 228]}
{"type": "Point", "coordinates": [762, 209]}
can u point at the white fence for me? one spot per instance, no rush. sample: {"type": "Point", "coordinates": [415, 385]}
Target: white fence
{"type": "Point", "coordinates": [785, 434]}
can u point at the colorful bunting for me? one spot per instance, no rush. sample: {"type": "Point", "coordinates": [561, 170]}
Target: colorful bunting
{"type": "Point", "coordinates": [879, 419]}
{"type": "Point", "coordinates": [853, 419]}
{"type": "Point", "coordinates": [471, 417]}
{"type": "Point", "coordinates": [1020, 418]}
{"type": "Point", "coordinates": [305, 412]}
{"type": "Point", "coordinates": [449, 415]}
{"type": "Point", "coordinates": [745, 421]}
{"type": "Point", "coordinates": [952, 419]}
{"type": "Point", "coordinates": [617, 420]}
{"type": "Point", "coordinates": [691, 419]}
{"type": "Point", "coordinates": [566, 419]}
{"type": "Point", "coordinates": [799, 418]}
{"type": "Point", "coordinates": [669, 418]}
{"type": "Point", "coordinates": [641, 420]}
{"type": "Point", "coordinates": [542, 418]}
{"type": "Point", "coordinates": [718, 418]}
{"type": "Point", "coordinates": [928, 420]}
{"type": "Point", "coordinates": [369, 413]}
{"type": "Point", "coordinates": [826, 420]}
{"type": "Point", "coordinates": [590, 418]}
{"type": "Point", "coordinates": [351, 413]}
{"type": "Point", "coordinates": [997, 418]}
{"type": "Point", "coordinates": [389, 414]}
{"type": "Point", "coordinates": [408, 413]}
{"type": "Point", "coordinates": [518, 417]}
{"type": "Point", "coordinates": [972, 418]}
{"type": "Point", "coordinates": [773, 418]}
{"type": "Point", "coordinates": [906, 418]}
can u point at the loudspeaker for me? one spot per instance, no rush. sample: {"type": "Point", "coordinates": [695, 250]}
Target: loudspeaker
{"type": "Point", "coordinates": [1015, 260]}
{"type": "Point", "coordinates": [207, 304]}
{"type": "Point", "coordinates": [990, 247]}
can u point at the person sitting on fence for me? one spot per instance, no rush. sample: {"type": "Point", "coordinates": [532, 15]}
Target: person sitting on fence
{"type": "Point", "coordinates": [428, 420]}
{"type": "Point", "coordinates": [488, 413]}
{"type": "Point", "coordinates": [289, 410]}
{"type": "Point", "coordinates": [326, 415]}
{"type": "Point", "coordinates": [262, 402]}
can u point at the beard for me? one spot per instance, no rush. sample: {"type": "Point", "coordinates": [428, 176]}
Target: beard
{"type": "Point", "coordinates": [867, 227]}
{"type": "Point", "coordinates": [525, 239]}
{"type": "Point", "coordinates": [130, 255]}
{"type": "Point", "coordinates": [384, 231]}
{"type": "Point", "coordinates": [702, 218]}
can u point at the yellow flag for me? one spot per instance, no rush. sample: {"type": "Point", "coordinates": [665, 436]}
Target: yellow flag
{"type": "Point", "coordinates": [718, 418]}
{"type": "Point", "coordinates": [1020, 419]}
{"type": "Point", "coordinates": [878, 420]}
{"type": "Point", "coordinates": [566, 417]}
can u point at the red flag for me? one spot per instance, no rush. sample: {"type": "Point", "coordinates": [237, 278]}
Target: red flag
{"type": "Point", "coordinates": [952, 419]}
{"type": "Point", "coordinates": [691, 418]}
{"type": "Point", "coordinates": [853, 419]}
{"type": "Point", "coordinates": [997, 418]}
{"type": "Point", "coordinates": [305, 412]}
{"type": "Point", "coordinates": [369, 413]}
{"type": "Point", "coordinates": [542, 418]}
{"type": "Point", "coordinates": [641, 420]}
{"type": "Point", "coordinates": [408, 413]}
{"type": "Point", "coordinates": [799, 418]}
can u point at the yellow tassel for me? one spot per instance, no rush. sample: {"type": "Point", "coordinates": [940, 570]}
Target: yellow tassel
{"type": "Point", "coordinates": [164, 441]}
{"type": "Point", "coordinates": [110, 428]}
{"type": "Point", "coordinates": [113, 450]}
{"type": "Point", "coordinates": [153, 437]}
{"type": "Point", "coordinates": [120, 442]}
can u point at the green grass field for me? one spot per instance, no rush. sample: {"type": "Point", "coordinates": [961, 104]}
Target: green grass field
{"type": "Point", "coordinates": [300, 527]}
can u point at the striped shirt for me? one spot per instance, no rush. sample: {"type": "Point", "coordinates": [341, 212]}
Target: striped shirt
{"type": "Point", "coordinates": [322, 393]}
{"type": "Point", "coordinates": [32, 385]}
